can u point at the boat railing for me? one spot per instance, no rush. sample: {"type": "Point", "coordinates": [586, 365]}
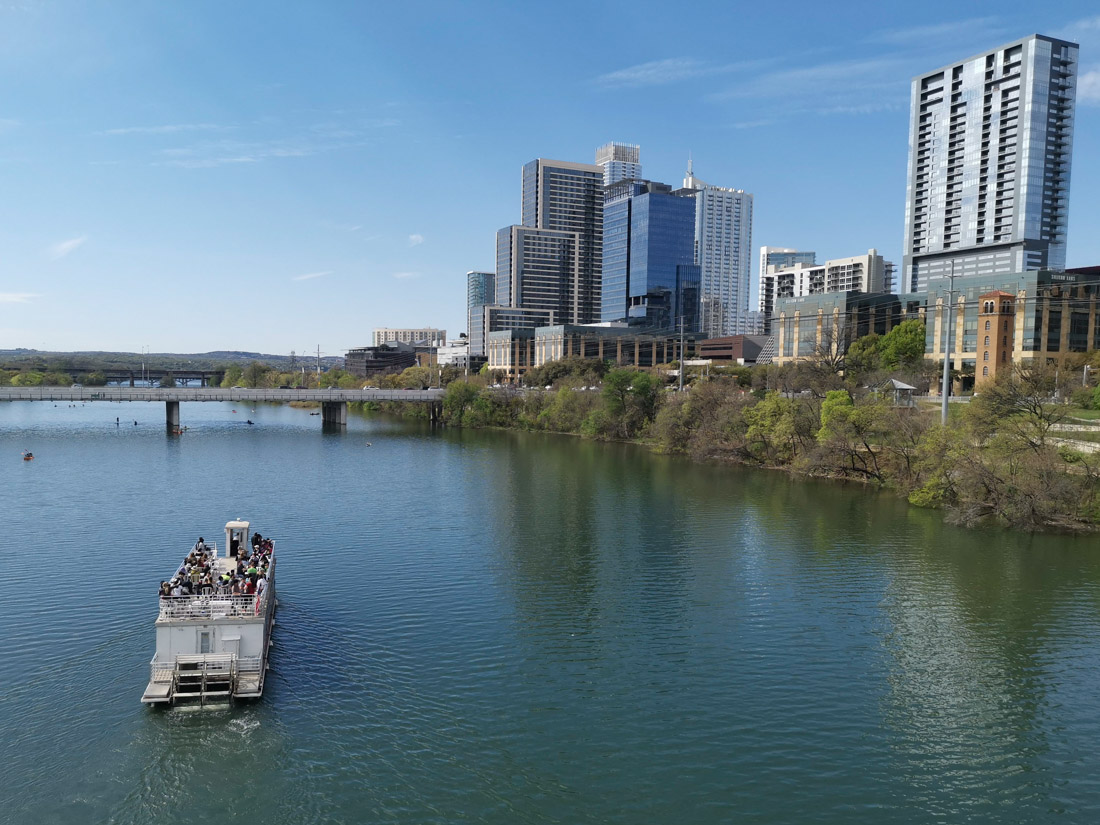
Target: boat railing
{"type": "Point", "coordinates": [212, 606]}
{"type": "Point", "coordinates": [163, 671]}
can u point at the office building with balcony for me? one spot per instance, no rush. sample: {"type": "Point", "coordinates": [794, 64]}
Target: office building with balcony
{"type": "Point", "coordinates": [990, 143]}
{"type": "Point", "coordinates": [859, 273]}
{"type": "Point", "coordinates": [429, 336]}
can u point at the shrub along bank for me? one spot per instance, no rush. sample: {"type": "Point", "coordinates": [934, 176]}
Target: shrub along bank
{"type": "Point", "coordinates": [999, 459]}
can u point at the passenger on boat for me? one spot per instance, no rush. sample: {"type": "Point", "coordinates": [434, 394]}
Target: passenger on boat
{"type": "Point", "coordinates": [200, 546]}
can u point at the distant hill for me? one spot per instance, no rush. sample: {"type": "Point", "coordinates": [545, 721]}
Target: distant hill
{"type": "Point", "coordinates": [24, 358]}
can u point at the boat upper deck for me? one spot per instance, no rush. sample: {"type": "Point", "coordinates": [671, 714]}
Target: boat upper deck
{"type": "Point", "coordinates": [208, 586]}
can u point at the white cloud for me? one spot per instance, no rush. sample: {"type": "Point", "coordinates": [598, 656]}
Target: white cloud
{"type": "Point", "coordinates": [416, 239]}
{"type": "Point", "coordinates": [936, 32]}
{"type": "Point", "coordinates": [671, 70]}
{"type": "Point", "coordinates": [1088, 88]}
{"type": "Point", "coordinates": [16, 297]}
{"type": "Point", "coordinates": [311, 275]}
{"type": "Point", "coordinates": [59, 251]}
{"type": "Point", "coordinates": [752, 124]}
{"type": "Point", "coordinates": [7, 124]}
{"type": "Point", "coordinates": [167, 129]}
{"type": "Point", "coordinates": [401, 276]}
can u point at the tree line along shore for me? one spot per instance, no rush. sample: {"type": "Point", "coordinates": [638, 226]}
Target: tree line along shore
{"type": "Point", "coordinates": [1020, 452]}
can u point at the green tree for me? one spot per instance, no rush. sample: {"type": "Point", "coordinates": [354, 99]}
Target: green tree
{"type": "Point", "coordinates": [460, 395]}
{"type": "Point", "coordinates": [232, 377]}
{"type": "Point", "coordinates": [31, 378]}
{"type": "Point", "coordinates": [168, 381]}
{"type": "Point", "coordinates": [254, 374]}
{"type": "Point", "coordinates": [903, 346]}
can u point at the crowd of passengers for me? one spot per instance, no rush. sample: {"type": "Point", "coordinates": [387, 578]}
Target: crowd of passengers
{"type": "Point", "coordinates": [198, 574]}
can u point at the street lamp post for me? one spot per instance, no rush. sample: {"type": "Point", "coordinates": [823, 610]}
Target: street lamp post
{"type": "Point", "coordinates": [945, 388]}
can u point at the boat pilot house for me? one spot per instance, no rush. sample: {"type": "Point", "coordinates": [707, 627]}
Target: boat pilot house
{"type": "Point", "coordinates": [214, 621]}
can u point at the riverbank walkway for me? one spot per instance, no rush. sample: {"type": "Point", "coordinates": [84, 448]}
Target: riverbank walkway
{"type": "Point", "coordinates": [334, 402]}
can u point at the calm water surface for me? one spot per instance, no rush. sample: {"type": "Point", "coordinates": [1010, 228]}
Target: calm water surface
{"type": "Point", "coordinates": [512, 628]}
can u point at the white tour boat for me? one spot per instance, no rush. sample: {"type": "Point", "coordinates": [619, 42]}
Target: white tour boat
{"type": "Point", "coordinates": [212, 642]}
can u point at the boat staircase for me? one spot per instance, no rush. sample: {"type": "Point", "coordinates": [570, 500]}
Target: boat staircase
{"type": "Point", "coordinates": [203, 678]}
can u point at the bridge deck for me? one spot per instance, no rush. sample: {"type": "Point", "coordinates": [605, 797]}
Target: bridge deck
{"type": "Point", "coordinates": [208, 394]}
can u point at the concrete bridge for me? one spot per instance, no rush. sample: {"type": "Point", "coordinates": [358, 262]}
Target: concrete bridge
{"type": "Point", "coordinates": [334, 403]}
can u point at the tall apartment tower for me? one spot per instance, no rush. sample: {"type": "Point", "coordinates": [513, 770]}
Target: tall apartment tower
{"type": "Point", "coordinates": [723, 251]}
{"type": "Point", "coordinates": [620, 161]}
{"type": "Point", "coordinates": [480, 293]}
{"type": "Point", "coordinates": [559, 197]}
{"type": "Point", "coordinates": [990, 139]}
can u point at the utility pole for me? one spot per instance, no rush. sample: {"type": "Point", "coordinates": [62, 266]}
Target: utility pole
{"type": "Point", "coordinates": [682, 350]}
{"type": "Point", "coordinates": [945, 389]}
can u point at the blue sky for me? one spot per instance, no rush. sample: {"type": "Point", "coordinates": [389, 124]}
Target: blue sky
{"type": "Point", "coordinates": [269, 176]}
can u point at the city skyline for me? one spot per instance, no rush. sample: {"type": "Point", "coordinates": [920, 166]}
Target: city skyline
{"type": "Point", "coordinates": [299, 171]}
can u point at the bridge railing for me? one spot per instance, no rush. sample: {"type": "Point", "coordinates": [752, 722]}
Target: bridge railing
{"type": "Point", "coordinates": [209, 394]}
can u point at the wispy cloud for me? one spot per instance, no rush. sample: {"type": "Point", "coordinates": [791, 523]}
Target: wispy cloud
{"type": "Point", "coordinates": [753, 124]}
{"type": "Point", "coordinates": [416, 239]}
{"type": "Point", "coordinates": [936, 32]}
{"type": "Point", "coordinates": [17, 297]}
{"type": "Point", "coordinates": [309, 276]}
{"type": "Point", "coordinates": [1088, 88]}
{"type": "Point", "coordinates": [167, 129]}
{"type": "Point", "coordinates": [671, 70]}
{"type": "Point", "coordinates": [1080, 30]}
{"type": "Point", "coordinates": [849, 87]}
{"type": "Point", "coordinates": [59, 251]}
{"type": "Point", "coordinates": [7, 124]}
{"type": "Point", "coordinates": [401, 276]}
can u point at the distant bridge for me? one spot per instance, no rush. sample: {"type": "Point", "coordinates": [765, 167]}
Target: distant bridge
{"type": "Point", "coordinates": [132, 376]}
{"type": "Point", "coordinates": [334, 403]}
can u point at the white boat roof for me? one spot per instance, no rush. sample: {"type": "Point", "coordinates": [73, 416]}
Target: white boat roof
{"type": "Point", "coordinates": [236, 525]}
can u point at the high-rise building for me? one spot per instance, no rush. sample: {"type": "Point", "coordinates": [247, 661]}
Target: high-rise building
{"type": "Point", "coordinates": [649, 275]}
{"type": "Point", "coordinates": [480, 293]}
{"type": "Point", "coordinates": [425, 335]}
{"type": "Point", "coordinates": [859, 273]}
{"type": "Point", "coordinates": [723, 251]}
{"type": "Point", "coordinates": [553, 260]}
{"type": "Point", "coordinates": [990, 139]}
{"type": "Point", "coordinates": [537, 269]}
{"type": "Point", "coordinates": [620, 161]}
{"type": "Point", "coordinates": [781, 258]}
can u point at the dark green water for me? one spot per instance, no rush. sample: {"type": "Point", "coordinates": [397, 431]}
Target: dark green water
{"type": "Point", "coordinates": [511, 628]}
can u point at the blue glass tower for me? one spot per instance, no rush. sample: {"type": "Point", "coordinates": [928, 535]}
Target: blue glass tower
{"type": "Point", "coordinates": [650, 277]}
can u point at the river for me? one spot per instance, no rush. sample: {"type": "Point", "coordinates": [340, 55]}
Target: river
{"type": "Point", "coordinates": [504, 627]}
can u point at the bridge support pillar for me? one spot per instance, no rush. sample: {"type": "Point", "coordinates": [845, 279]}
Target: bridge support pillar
{"type": "Point", "coordinates": [334, 413]}
{"type": "Point", "coordinates": [172, 414]}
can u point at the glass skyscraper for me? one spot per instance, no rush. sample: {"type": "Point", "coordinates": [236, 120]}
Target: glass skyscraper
{"type": "Point", "coordinates": [990, 140]}
{"type": "Point", "coordinates": [480, 293]}
{"type": "Point", "coordinates": [650, 275]}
